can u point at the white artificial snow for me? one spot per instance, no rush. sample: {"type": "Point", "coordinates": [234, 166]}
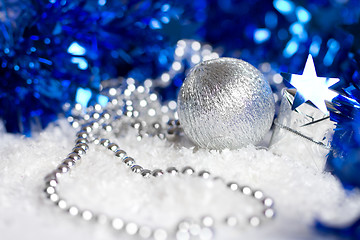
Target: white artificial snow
{"type": "Point", "coordinates": [103, 184]}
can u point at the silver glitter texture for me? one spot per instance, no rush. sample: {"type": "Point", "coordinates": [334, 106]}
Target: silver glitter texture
{"type": "Point", "coordinates": [225, 103]}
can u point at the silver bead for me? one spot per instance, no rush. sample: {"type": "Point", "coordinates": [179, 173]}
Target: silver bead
{"type": "Point", "coordinates": [172, 171]}
{"type": "Point", "coordinates": [73, 211]}
{"type": "Point", "coordinates": [254, 221]}
{"type": "Point", "coordinates": [81, 140]}
{"type": "Point", "coordinates": [62, 204]}
{"type": "Point", "coordinates": [105, 115]}
{"type": "Point", "coordinates": [234, 100]}
{"type": "Point", "coordinates": [136, 169]}
{"type": "Point", "coordinates": [54, 198]}
{"type": "Point", "coordinates": [63, 168]}
{"type": "Point", "coordinates": [157, 126]}
{"type": "Point", "coordinates": [95, 115]}
{"type": "Point", "coordinates": [82, 145]}
{"type": "Point", "coordinates": [160, 234]}
{"type": "Point", "coordinates": [182, 235]}
{"type": "Point", "coordinates": [117, 224]}
{"type": "Point", "coordinates": [82, 134]}
{"type": "Point", "coordinates": [129, 161]}
{"type": "Point", "coordinates": [113, 147]}
{"type": "Point", "coordinates": [246, 190]}
{"type": "Point", "coordinates": [69, 162]}
{"type": "Point", "coordinates": [87, 215]}
{"type": "Point", "coordinates": [94, 125]}
{"type": "Point", "coordinates": [258, 194]}
{"type": "Point", "coordinates": [76, 157]}
{"type": "Point", "coordinates": [96, 140]}
{"type": "Point", "coordinates": [120, 153]}
{"type": "Point", "coordinates": [87, 128]}
{"type": "Point", "coordinates": [207, 221]}
{"type": "Point", "coordinates": [269, 213]}
{"type": "Point", "coordinates": [146, 173]}
{"type": "Point", "coordinates": [194, 229]}
{"type": "Point", "coordinates": [184, 224]}
{"type": "Point", "coordinates": [137, 125]}
{"type": "Point", "coordinates": [50, 190]}
{"type": "Point", "coordinates": [231, 221]}
{"type": "Point", "coordinates": [204, 174]}
{"type": "Point", "coordinates": [268, 202]}
{"type": "Point", "coordinates": [206, 234]}
{"type": "Point", "coordinates": [105, 142]}
{"type": "Point", "coordinates": [188, 170]}
{"type": "Point", "coordinates": [157, 173]}
{"type": "Point", "coordinates": [145, 232]}
{"type": "Point", "coordinates": [131, 228]}
{"type": "Point", "coordinates": [107, 127]}
{"type": "Point", "coordinates": [80, 151]}
{"type": "Point", "coordinates": [233, 186]}
{"type": "Point", "coordinates": [53, 175]}
{"type": "Point", "coordinates": [52, 183]}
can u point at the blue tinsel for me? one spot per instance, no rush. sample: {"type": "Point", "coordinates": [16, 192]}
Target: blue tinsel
{"type": "Point", "coordinates": [50, 48]}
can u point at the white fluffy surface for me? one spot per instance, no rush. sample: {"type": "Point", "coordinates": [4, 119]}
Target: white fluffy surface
{"type": "Point", "coordinates": [101, 183]}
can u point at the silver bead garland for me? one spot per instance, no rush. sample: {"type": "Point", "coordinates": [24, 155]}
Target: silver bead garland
{"type": "Point", "coordinates": [140, 109]}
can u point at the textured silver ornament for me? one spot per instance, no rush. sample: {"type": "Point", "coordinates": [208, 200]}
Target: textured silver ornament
{"type": "Point", "coordinates": [225, 103]}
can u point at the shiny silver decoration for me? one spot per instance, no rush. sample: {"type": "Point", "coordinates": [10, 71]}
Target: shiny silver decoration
{"type": "Point", "coordinates": [172, 171]}
{"type": "Point", "coordinates": [146, 173]}
{"type": "Point", "coordinates": [89, 134]}
{"type": "Point", "coordinates": [188, 170]}
{"type": "Point", "coordinates": [136, 169]}
{"type": "Point", "coordinates": [157, 172]}
{"type": "Point", "coordinates": [204, 174]}
{"type": "Point", "coordinates": [225, 103]}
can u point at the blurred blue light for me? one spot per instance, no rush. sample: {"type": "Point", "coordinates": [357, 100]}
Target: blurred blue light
{"type": "Point", "coordinates": [334, 47]}
{"type": "Point", "coordinates": [83, 96]}
{"type": "Point", "coordinates": [76, 49]}
{"type": "Point", "coordinates": [271, 20]}
{"type": "Point", "coordinates": [155, 24]}
{"type": "Point", "coordinates": [284, 6]}
{"type": "Point", "coordinates": [315, 46]}
{"type": "Point", "coordinates": [46, 61]}
{"type": "Point", "coordinates": [102, 2]}
{"type": "Point", "coordinates": [291, 48]}
{"type": "Point", "coordinates": [261, 35]}
{"type": "Point", "coordinates": [47, 41]}
{"type": "Point", "coordinates": [102, 100]}
{"type": "Point", "coordinates": [303, 15]}
{"type": "Point", "coordinates": [162, 58]}
{"type": "Point", "coordinates": [165, 19]}
{"type": "Point", "coordinates": [165, 7]}
{"type": "Point", "coordinates": [81, 62]}
{"type": "Point", "coordinates": [298, 29]}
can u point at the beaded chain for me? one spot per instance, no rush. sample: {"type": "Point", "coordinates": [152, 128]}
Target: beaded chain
{"type": "Point", "coordinates": [135, 106]}
{"type": "Point", "coordinates": [125, 108]}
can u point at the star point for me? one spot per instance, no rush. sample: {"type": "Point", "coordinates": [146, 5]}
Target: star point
{"type": "Point", "coordinates": [310, 87]}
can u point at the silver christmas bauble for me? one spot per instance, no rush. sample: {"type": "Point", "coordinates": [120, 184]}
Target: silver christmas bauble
{"type": "Point", "coordinates": [225, 103]}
